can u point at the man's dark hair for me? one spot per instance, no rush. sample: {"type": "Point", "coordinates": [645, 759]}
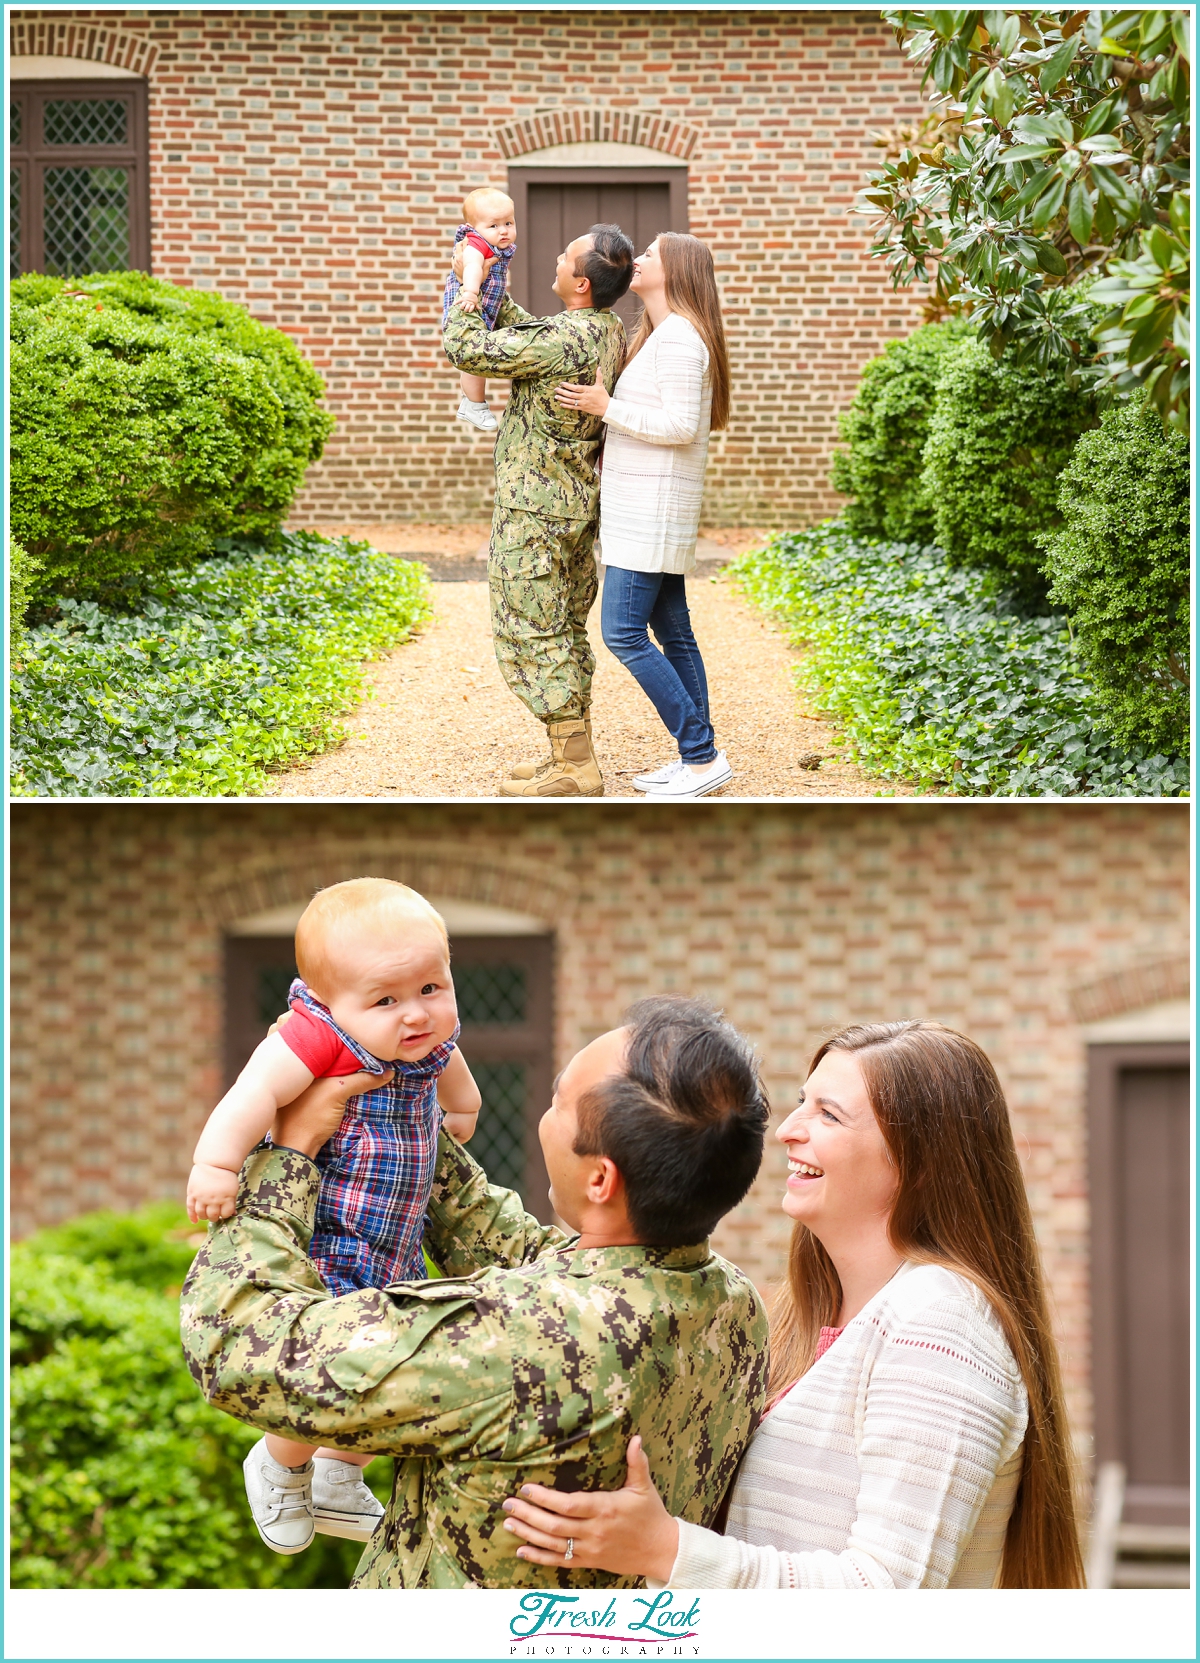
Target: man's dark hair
{"type": "Point", "coordinates": [684, 1124]}
{"type": "Point", "coordinates": [608, 264]}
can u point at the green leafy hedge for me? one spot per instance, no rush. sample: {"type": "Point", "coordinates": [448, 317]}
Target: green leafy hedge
{"type": "Point", "coordinates": [122, 1475]}
{"type": "Point", "coordinates": [234, 667]}
{"type": "Point", "coordinates": [1121, 568]}
{"type": "Point", "coordinates": [146, 421]}
{"type": "Point", "coordinates": [999, 436]}
{"type": "Point", "coordinates": [885, 429]}
{"type": "Point", "coordinates": [933, 678]}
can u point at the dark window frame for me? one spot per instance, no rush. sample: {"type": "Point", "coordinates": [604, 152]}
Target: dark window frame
{"type": "Point", "coordinates": [520, 178]}
{"type": "Point", "coordinates": [1105, 1065]}
{"type": "Point", "coordinates": [32, 156]}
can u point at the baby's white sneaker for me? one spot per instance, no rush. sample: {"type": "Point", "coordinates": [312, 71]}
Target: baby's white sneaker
{"type": "Point", "coordinates": [280, 1500]}
{"type": "Point", "coordinates": [342, 1501]}
{"type": "Point", "coordinates": [478, 415]}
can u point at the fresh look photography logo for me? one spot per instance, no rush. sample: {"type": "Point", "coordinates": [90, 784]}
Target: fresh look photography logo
{"type": "Point", "coordinates": [623, 1625]}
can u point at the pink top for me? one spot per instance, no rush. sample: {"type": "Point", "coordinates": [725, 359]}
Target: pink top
{"type": "Point", "coordinates": [824, 1340]}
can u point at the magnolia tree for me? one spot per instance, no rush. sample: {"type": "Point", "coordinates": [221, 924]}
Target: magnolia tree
{"type": "Point", "coordinates": [1056, 147]}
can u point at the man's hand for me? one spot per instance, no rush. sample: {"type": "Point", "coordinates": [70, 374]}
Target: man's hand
{"type": "Point", "coordinates": [211, 1194]}
{"type": "Point", "coordinates": [309, 1121]}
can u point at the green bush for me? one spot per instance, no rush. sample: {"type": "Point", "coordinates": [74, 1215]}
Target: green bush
{"type": "Point", "coordinates": [231, 669]}
{"type": "Point", "coordinates": [122, 1475]}
{"type": "Point", "coordinates": [885, 429]}
{"type": "Point", "coordinates": [146, 422]}
{"type": "Point", "coordinates": [934, 678]}
{"type": "Point", "coordinates": [22, 571]}
{"type": "Point", "coordinates": [999, 436]}
{"type": "Point", "coordinates": [1120, 567]}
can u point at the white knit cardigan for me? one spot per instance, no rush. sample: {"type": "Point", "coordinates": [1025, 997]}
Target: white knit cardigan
{"type": "Point", "coordinates": [655, 448]}
{"type": "Point", "coordinates": [893, 1463]}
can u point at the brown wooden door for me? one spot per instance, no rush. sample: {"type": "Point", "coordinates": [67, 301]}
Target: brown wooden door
{"type": "Point", "coordinates": [1141, 1167]}
{"type": "Point", "coordinates": [504, 986]}
{"type": "Point", "coordinates": [556, 206]}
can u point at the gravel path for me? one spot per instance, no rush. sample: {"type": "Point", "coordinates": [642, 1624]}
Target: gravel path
{"type": "Point", "coordinates": [440, 722]}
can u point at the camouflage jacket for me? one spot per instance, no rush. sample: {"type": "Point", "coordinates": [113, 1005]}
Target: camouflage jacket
{"type": "Point", "coordinates": [533, 1360]}
{"type": "Point", "coordinates": [545, 453]}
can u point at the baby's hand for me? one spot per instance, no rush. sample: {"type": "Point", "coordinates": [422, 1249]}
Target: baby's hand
{"type": "Point", "coordinates": [468, 299]}
{"type": "Point", "coordinates": [211, 1194]}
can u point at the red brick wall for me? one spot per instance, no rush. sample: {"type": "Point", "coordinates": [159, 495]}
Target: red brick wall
{"type": "Point", "coordinates": [795, 920]}
{"type": "Point", "coordinates": [311, 164]}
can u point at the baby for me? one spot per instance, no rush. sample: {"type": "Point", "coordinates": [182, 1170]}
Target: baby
{"type": "Point", "coordinates": [374, 994]}
{"type": "Point", "coordinates": [490, 233]}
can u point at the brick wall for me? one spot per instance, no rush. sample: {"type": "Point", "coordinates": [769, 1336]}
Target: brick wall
{"type": "Point", "coordinates": [793, 919]}
{"type": "Point", "coordinates": [311, 164]}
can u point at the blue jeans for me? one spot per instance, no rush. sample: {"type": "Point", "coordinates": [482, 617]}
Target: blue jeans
{"type": "Point", "coordinates": [673, 679]}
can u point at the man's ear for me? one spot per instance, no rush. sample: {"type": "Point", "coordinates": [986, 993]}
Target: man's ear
{"type": "Point", "coordinates": [604, 1183]}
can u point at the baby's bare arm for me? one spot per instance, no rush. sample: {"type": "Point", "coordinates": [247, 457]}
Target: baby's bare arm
{"type": "Point", "coordinates": [273, 1077]}
{"type": "Point", "coordinates": [472, 278]}
{"type": "Point", "coordinates": [459, 1096]}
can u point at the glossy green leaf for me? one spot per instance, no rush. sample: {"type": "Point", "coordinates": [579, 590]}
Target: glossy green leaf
{"type": "Point", "coordinates": [1079, 213]}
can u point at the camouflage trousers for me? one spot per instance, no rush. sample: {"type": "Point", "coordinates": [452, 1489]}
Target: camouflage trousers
{"type": "Point", "coordinates": [542, 575]}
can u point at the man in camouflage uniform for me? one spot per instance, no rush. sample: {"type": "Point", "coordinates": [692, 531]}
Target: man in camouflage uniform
{"type": "Point", "coordinates": [541, 565]}
{"type": "Point", "coordinates": [540, 1354]}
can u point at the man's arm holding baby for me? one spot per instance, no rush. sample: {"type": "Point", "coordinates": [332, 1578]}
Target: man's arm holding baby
{"type": "Point", "coordinates": [268, 1343]}
{"type": "Point", "coordinates": [273, 1077]}
{"type": "Point", "coordinates": [459, 1096]}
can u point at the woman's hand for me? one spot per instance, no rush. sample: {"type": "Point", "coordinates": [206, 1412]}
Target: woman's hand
{"type": "Point", "coordinates": [582, 395]}
{"type": "Point", "coordinates": [628, 1531]}
{"type": "Point", "coordinates": [310, 1120]}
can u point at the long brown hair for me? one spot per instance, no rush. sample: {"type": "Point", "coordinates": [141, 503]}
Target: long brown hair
{"type": "Point", "coordinates": [691, 290]}
{"type": "Point", "coordinates": [960, 1202]}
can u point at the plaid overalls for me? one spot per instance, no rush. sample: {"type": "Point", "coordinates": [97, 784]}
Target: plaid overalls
{"type": "Point", "coordinates": [376, 1170]}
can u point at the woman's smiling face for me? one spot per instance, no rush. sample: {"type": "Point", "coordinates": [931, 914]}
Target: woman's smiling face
{"type": "Point", "coordinates": [840, 1174]}
{"type": "Point", "coordinates": [648, 274]}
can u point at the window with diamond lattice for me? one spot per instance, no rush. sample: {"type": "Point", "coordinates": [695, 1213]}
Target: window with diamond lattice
{"type": "Point", "coordinates": [78, 191]}
{"type": "Point", "coordinates": [499, 1141]}
{"type": "Point", "coordinates": [488, 993]}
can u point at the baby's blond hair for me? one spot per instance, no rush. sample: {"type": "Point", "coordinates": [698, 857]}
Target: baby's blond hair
{"type": "Point", "coordinates": [331, 919]}
{"type": "Point", "coordinates": [475, 202]}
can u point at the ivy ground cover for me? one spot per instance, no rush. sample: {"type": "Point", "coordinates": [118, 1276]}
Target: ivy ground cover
{"type": "Point", "coordinates": [933, 676]}
{"type": "Point", "coordinates": [232, 668]}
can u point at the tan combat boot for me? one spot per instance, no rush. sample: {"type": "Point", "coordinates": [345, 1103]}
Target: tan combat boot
{"type": "Point", "coordinates": [531, 770]}
{"type": "Point", "coordinates": [572, 772]}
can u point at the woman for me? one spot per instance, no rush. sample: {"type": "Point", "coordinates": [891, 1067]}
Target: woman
{"type": "Point", "coordinates": [674, 387]}
{"type": "Point", "coordinates": [914, 1433]}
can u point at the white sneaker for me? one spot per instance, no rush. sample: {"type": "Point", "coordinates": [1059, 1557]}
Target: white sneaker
{"type": "Point", "coordinates": [477, 414]}
{"type": "Point", "coordinates": [687, 784]}
{"type": "Point", "coordinates": [280, 1500]}
{"type": "Point", "coordinates": [342, 1501]}
{"type": "Point", "coordinates": [660, 776]}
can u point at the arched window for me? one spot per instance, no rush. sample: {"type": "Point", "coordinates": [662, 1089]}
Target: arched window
{"type": "Point", "coordinates": [78, 178]}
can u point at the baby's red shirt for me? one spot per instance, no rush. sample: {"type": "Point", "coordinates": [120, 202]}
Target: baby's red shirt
{"type": "Point", "coordinates": [317, 1046]}
{"type": "Point", "coordinates": [482, 244]}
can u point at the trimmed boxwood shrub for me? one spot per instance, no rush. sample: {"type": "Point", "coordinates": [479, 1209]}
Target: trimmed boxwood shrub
{"type": "Point", "coordinates": [1120, 567]}
{"type": "Point", "coordinates": [122, 1475]}
{"type": "Point", "coordinates": [147, 421]}
{"type": "Point", "coordinates": [22, 570]}
{"type": "Point", "coordinates": [999, 436]}
{"type": "Point", "coordinates": [885, 429]}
